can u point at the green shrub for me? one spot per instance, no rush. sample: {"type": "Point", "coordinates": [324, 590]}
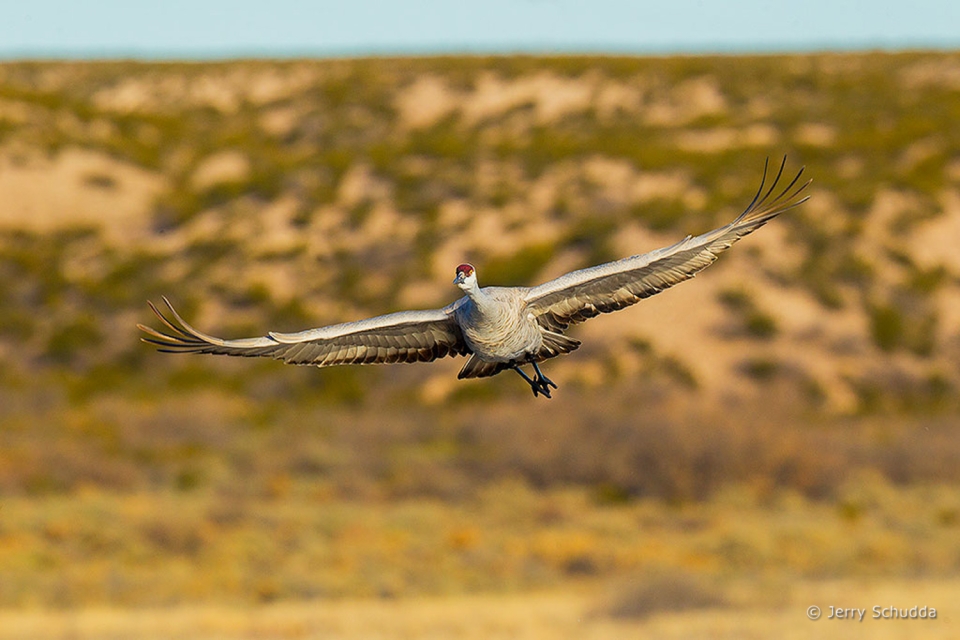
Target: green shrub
{"type": "Point", "coordinates": [760, 369]}
{"type": "Point", "coordinates": [520, 267]}
{"type": "Point", "coordinates": [756, 323]}
{"type": "Point", "coordinates": [67, 342]}
{"type": "Point", "coordinates": [886, 326]}
{"type": "Point", "coordinates": [760, 325]}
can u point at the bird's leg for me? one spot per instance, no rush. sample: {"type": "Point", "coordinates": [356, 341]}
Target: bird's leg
{"type": "Point", "coordinates": [543, 380]}
{"type": "Point", "coordinates": [536, 385]}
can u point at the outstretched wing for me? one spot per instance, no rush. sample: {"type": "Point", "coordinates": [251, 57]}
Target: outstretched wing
{"type": "Point", "coordinates": [406, 336]}
{"type": "Point", "coordinates": [583, 294]}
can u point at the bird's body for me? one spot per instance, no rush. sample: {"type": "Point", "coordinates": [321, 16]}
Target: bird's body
{"type": "Point", "coordinates": [497, 327]}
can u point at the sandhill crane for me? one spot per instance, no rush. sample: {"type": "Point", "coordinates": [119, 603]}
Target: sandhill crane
{"type": "Point", "coordinates": [499, 328]}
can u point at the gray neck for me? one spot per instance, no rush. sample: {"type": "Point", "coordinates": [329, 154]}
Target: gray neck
{"type": "Point", "coordinates": [476, 294]}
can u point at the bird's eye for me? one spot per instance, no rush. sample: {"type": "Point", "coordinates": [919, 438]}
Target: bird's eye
{"type": "Point", "coordinates": [465, 269]}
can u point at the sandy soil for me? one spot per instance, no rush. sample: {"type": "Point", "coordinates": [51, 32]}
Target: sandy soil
{"type": "Point", "coordinates": [77, 187]}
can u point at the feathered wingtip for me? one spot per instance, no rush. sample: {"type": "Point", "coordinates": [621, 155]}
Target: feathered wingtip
{"type": "Point", "coordinates": [763, 207]}
{"type": "Point", "coordinates": [182, 337]}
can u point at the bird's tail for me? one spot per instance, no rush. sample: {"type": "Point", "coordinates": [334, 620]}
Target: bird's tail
{"type": "Point", "coordinates": [477, 368]}
{"type": "Point", "coordinates": [555, 344]}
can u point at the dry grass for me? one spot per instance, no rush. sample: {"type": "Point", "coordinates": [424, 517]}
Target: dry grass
{"type": "Point", "coordinates": [569, 614]}
{"type": "Point", "coordinates": [296, 542]}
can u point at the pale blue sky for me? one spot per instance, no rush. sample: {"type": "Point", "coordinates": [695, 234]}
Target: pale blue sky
{"type": "Point", "coordinates": [195, 29]}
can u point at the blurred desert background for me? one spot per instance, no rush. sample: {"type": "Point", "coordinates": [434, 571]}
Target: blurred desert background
{"type": "Point", "coordinates": [779, 432]}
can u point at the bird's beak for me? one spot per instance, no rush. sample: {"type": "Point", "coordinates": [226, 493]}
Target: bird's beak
{"type": "Point", "coordinates": [459, 279]}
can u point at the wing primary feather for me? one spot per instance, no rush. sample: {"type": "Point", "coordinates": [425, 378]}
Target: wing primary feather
{"type": "Point", "coordinates": [767, 206]}
{"type": "Point", "coordinates": [188, 328]}
{"type": "Point", "coordinates": [763, 181]}
{"type": "Point", "coordinates": [790, 186]}
{"type": "Point", "coordinates": [773, 185]}
{"type": "Point", "coordinates": [163, 318]}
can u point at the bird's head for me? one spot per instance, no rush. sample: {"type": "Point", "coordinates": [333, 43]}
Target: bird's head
{"type": "Point", "coordinates": [466, 276]}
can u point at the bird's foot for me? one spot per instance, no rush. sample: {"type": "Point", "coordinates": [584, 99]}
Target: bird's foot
{"type": "Point", "coordinates": [541, 383]}
{"type": "Point", "coordinates": [540, 388]}
{"type": "Point", "coordinates": [545, 383]}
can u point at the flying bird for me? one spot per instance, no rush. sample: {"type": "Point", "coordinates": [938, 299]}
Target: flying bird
{"type": "Point", "coordinates": [498, 328]}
